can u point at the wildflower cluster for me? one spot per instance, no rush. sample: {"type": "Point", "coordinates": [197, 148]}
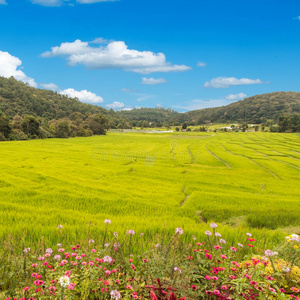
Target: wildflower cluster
{"type": "Point", "coordinates": [173, 269]}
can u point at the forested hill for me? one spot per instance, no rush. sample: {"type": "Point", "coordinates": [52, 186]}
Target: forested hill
{"type": "Point", "coordinates": [256, 109]}
{"type": "Point", "coordinates": [17, 98]}
{"type": "Point", "coordinates": [160, 116]}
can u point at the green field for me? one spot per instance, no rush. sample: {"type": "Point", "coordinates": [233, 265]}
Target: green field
{"type": "Point", "coordinates": [244, 181]}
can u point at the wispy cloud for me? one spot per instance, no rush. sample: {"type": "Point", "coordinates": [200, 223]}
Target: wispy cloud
{"type": "Point", "coordinates": [201, 64]}
{"type": "Point", "coordinates": [115, 55]}
{"type": "Point", "coordinates": [225, 82]}
{"type": "Point", "coordinates": [153, 81]}
{"type": "Point", "coordinates": [239, 96]}
{"type": "Point", "coordinates": [201, 103]}
{"type": "Point", "coordinates": [54, 3]}
{"type": "Point", "coordinates": [3, 2]}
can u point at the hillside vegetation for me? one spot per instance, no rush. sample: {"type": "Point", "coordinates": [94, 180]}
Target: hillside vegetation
{"type": "Point", "coordinates": [257, 109]}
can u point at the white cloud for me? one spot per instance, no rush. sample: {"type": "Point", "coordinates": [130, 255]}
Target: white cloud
{"type": "Point", "coordinates": [298, 18]}
{"type": "Point", "coordinates": [49, 86]}
{"type": "Point", "coordinates": [9, 67]}
{"type": "Point", "coordinates": [201, 64]}
{"type": "Point", "coordinates": [83, 96]}
{"type": "Point", "coordinates": [200, 104]}
{"type": "Point", "coordinates": [48, 2]}
{"type": "Point", "coordinates": [239, 96]}
{"type": "Point", "coordinates": [153, 81]}
{"type": "Point", "coordinates": [225, 82]}
{"type": "Point", "coordinates": [61, 2]}
{"type": "Point", "coordinates": [130, 91]}
{"type": "Point", "coordinates": [115, 55]}
{"type": "Point", "coordinates": [115, 105]}
{"type": "Point", "coordinates": [94, 1]}
{"type": "Point", "coordinates": [144, 97]}
{"type": "Point", "coordinates": [3, 2]}
{"type": "Point", "coordinates": [100, 41]}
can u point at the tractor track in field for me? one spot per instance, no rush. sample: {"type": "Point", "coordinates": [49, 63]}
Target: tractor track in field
{"type": "Point", "coordinates": [276, 160]}
{"type": "Point", "coordinates": [253, 161]}
{"type": "Point", "coordinates": [185, 198]}
{"type": "Point", "coordinates": [218, 158]}
{"type": "Point", "coordinates": [191, 154]}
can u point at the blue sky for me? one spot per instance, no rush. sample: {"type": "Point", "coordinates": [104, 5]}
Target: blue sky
{"type": "Point", "coordinates": [183, 54]}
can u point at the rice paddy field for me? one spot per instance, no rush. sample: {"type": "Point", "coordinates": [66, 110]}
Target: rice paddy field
{"type": "Point", "coordinates": [246, 182]}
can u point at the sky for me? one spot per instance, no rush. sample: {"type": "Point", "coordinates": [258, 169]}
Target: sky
{"type": "Point", "coordinates": [182, 54]}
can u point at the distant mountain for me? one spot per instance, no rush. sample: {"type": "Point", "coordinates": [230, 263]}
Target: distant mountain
{"type": "Point", "coordinates": [256, 109]}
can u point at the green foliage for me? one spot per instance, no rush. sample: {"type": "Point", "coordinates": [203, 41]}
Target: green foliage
{"type": "Point", "coordinates": [289, 123]}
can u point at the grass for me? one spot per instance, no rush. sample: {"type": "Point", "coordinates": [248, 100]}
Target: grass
{"type": "Point", "coordinates": [246, 181]}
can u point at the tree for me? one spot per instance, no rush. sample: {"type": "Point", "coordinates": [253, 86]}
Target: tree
{"type": "Point", "coordinates": [98, 123]}
{"type": "Point", "coordinates": [30, 125]}
{"type": "Point", "coordinates": [62, 129]}
{"type": "Point", "coordinates": [5, 126]}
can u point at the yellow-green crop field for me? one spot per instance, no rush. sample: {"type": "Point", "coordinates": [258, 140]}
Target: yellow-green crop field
{"type": "Point", "coordinates": [141, 181]}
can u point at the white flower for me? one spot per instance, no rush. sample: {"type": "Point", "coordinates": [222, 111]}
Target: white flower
{"type": "Point", "coordinates": [26, 250]}
{"type": "Point", "coordinates": [157, 245]}
{"type": "Point", "coordinates": [218, 234]}
{"type": "Point", "coordinates": [286, 269]}
{"type": "Point", "coordinates": [269, 253]}
{"type": "Point", "coordinates": [106, 245]}
{"type": "Point", "coordinates": [207, 232]}
{"type": "Point", "coordinates": [141, 234]}
{"type": "Point", "coordinates": [107, 221]}
{"type": "Point", "coordinates": [249, 234]}
{"type": "Point", "coordinates": [57, 257]}
{"type": "Point", "coordinates": [179, 231]}
{"type": "Point", "coordinates": [240, 245]}
{"type": "Point", "coordinates": [213, 225]}
{"type": "Point", "coordinates": [107, 258]}
{"type": "Point", "coordinates": [59, 226]}
{"type": "Point", "coordinates": [64, 281]}
{"type": "Point", "coordinates": [222, 241]}
{"type": "Point", "coordinates": [295, 237]}
{"type": "Point", "coordinates": [194, 238]}
{"type": "Point", "coordinates": [132, 232]}
{"type": "Point", "coordinates": [116, 234]}
{"type": "Point", "coordinates": [177, 270]}
{"type": "Point", "coordinates": [91, 241]}
{"type": "Point", "coordinates": [115, 295]}
{"type": "Point", "coordinates": [49, 250]}
{"type": "Point", "coordinates": [59, 245]}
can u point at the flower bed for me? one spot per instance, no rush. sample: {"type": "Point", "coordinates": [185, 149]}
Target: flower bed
{"type": "Point", "coordinates": [209, 269]}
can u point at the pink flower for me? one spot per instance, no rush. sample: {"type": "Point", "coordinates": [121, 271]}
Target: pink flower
{"type": "Point", "coordinates": [179, 231]}
{"type": "Point", "coordinates": [216, 292]}
{"type": "Point", "coordinates": [26, 288]}
{"type": "Point", "coordinates": [207, 277]}
{"type": "Point", "coordinates": [107, 221]}
{"type": "Point", "coordinates": [128, 287]}
{"type": "Point", "coordinates": [93, 250]}
{"type": "Point", "coordinates": [224, 287]}
{"type": "Point", "coordinates": [213, 225]}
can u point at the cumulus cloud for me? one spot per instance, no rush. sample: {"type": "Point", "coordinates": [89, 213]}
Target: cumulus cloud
{"type": "Point", "coordinates": [201, 64]}
{"type": "Point", "coordinates": [152, 81]}
{"type": "Point", "coordinates": [83, 96]}
{"type": "Point", "coordinates": [225, 82]}
{"type": "Point", "coordinates": [49, 86]}
{"type": "Point", "coordinates": [3, 2]}
{"type": "Point", "coordinates": [115, 55]}
{"type": "Point", "coordinates": [115, 105]}
{"type": "Point", "coordinates": [9, 65]}
{"type": "Point", "coordinates": [239, 96]}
